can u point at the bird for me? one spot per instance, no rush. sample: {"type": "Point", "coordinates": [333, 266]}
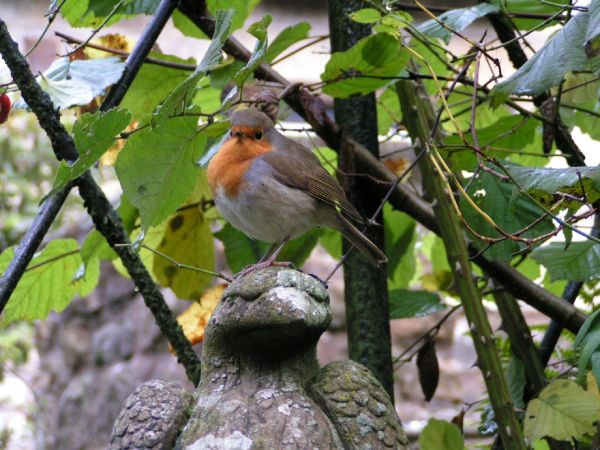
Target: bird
{"type": "Point", "coordinates": [274, 189]}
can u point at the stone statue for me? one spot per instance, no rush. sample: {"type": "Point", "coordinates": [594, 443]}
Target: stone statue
{"type": "Point", "coordinates": [261, 386]}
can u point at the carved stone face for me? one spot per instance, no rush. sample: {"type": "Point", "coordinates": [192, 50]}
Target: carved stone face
{"type": "Point", "coordinates": [272, 309]}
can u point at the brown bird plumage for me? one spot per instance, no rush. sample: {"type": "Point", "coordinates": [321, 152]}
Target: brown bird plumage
{"type": "Point", "coordinates": [274, 189]}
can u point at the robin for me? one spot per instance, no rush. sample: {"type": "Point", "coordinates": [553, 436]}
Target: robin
{"type": "Point", "coordinates": [274, 189]}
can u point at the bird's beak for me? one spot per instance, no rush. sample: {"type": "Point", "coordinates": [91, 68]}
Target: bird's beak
{"type": "Point", "coordinates": [240, 134]}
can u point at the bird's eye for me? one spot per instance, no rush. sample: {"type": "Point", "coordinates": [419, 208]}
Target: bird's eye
{"type": "Point", "coordinates": [258, 135]}
{"type": "Point", "coordinates": [231, 133]}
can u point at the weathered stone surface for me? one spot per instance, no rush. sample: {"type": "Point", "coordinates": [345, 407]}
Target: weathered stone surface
{"type": "Point", "coordinates": [358, 405]}
{"type": "Point", "coordinates": [151, 417]}
{"type": "Point", "coordinates": [261, 385]}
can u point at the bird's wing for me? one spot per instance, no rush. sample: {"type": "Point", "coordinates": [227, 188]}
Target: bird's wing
{"type": "Point", "coordinates": [358, 406]}
{"type": "Point", "coordinates": [297, 167]}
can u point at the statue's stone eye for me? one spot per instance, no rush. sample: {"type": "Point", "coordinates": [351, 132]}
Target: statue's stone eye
{"type": "Point", "coordinates": [258, 135]}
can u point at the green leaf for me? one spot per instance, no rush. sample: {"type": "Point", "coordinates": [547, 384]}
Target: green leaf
{"type": "Point", "coordinates": [95, 246]}
{"type": "Point", "coordinates": [331, 241]}
{"type": "Point", "coordinates": [507, 133]}
{"type": "Point", "coordinates": [240, 250]}
{"type": "Point", "coordinates": [406, 303]}
{"type": "Point", "coordinates": [49, 286]}
{"type": "Point", "coordinates": [259, 31]}
{"type": "Point", "coordinates": [455, 19]}
{"type": "Point", "coordinates": [356, 70]}
{"type": "Point", "coordinates": [169, 173]}
{"type": "Point", "coordinates": [152, 239]}
{"type": "Point", "coordinates": [186, 26]}
{"type": "Point", "coordinates": [441, 435]}
{"type": "Point", "coordinates": [543, 183]}
{"type": "Point", "coordinates": [389, 113]}
{"type": "Point", "coordinates": [65, 93]}
{"type": "Point", "coordinates": [98, 73]}
{"type": "Point", "coordinates": [590, 345]}
{"type": "Point", "coordinates": [510, 210]}
{"type": "Point", "coordinates": [179, 99]}
{"type": "Point", "coordinates": [591, 323]}
{"type": "Point", "coordinates": [188, 240]}
{"type": "Point", "coordinates": [288, 37]}
{"type": "Point", "coordinates": [579, 262]}
{"type": "Point", "coordinates": [93, 135]}
{"type": "Point", "coordinates": [516, 381]}
{"type": "Point", "coordinates": [563, 411]}
{"type": "Point", "coordinates": [92, 13]}
{"type": "Point", "coordinates": [563, 53]}
{"type": "Point", "coordinates": [152, 84]}
{"type": "Point", "coordinates": [532, 7]}
{"type": "Point", "coordinates": [366, 15]}
{"type": "Point", "coordinates": [298, 250]}
{"type": "Point", "coordinates": [400, 241]}
{"type": "Point", "coordinates": [596, 367]}
{"type": "Point", "coordinates": [241, 8]}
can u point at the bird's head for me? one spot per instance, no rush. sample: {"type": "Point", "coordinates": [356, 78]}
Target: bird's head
{"type": "Point", "coordinates": [251, 124]}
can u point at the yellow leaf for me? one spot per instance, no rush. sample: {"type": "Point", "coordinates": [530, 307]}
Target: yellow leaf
{"type": "Point", "coordinates": [194, 319]}
{"type": "Point", "coordinates": [113, 41]}
{"type": "Point", "coordinates": [188, 240]}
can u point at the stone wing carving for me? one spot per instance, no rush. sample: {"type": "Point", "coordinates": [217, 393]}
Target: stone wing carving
{"type": "Point", "coordinates": [358, 406]}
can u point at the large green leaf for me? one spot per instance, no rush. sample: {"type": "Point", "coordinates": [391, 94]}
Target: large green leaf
{"type": "Point", "coordinates": [93, 135]}
{"type": "Point", "coordinates": [400, 241]}
{"type": "Point", "coordinates": [580, 94]}
{"type": "Point", "coordinates": [157, 170]}
{"type": "Point", "coordinates": [242, 251]}
{"type": "Point", "coordinates": [532, 7]}
{"type": "Point", "coordinates": [288, 37]}
{"type": "Point", "coordinates": [510, 210]}
{"type": "Point", "coordinates": [389, 114]}
{"type": "Point", "coordinates": [259, 31]}
{"type": "Point", "coordinates": [242, 10]}
{"type": "Point", "coordinates": [580, 261]}
{"type": "Point", "coordinates": [72, 83]}
{"type": "Point", "coordinates": [92, 13]}
{"type": "Point", "coordinates": [545, 183]}
{"type": "Point", "coordinates": [98, 73]}
{"type": "Point", "coordinates": [455, 19]}
{"type": "Point", "coordinates": [152, 84]}
{"type": "Point", "coordinates": [441, 435]}
{"type": "Point", "coordinates": [406, 303]}
{"type": "Point", "coordinates": [509, 133]}
{"type": "Point", "coordinates": [563, 411]}
{"type": "Point", "coordinates": [564, 52]}
{"type": "Point", "coordinates": [53, 278]}
{"type": "Point", "coordinates": [364, 67]}
{"type": "Point", "coordinates": [180, 98]}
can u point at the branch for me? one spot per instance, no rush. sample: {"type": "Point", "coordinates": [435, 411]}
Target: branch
{"type": "Point", "coordinates": [402, 199]}
{"type": "Point", "coordinates": [104, 216]}
{"type": "Point", "coordinates": [114, 51]}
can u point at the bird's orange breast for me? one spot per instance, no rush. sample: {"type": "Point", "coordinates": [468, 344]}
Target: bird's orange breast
{"type": "Point", "coordinates": [228, 166]}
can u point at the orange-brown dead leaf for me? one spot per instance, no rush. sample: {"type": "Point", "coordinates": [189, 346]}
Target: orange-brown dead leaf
{"type": "Point", "coordinates": [194, 319]}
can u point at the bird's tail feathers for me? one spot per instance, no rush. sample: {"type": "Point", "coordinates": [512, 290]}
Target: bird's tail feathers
{"type": "Point", "coordinates": [360, 241]}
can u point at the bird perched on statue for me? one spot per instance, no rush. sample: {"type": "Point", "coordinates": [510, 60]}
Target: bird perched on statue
{"type": "Point", "coordinates": [274, 189]}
